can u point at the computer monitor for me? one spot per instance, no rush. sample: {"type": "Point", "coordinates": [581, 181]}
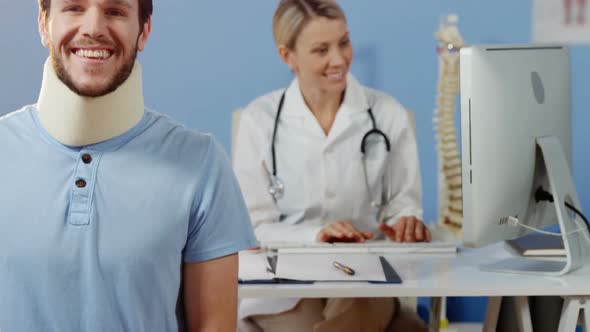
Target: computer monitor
{"type": "Point", "coordinates": [516, 137]}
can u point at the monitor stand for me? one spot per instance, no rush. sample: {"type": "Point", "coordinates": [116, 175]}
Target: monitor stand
{"type": "Point", "coordinates": [577, 245]}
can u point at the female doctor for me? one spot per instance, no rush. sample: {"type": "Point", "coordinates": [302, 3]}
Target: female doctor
{"type": "Point", "coordinates": [328, 160]}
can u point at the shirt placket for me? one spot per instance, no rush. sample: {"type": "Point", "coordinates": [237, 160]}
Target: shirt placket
{"type": "Point", "coordinates": [83, 185]}
{"type": "Point", "coordinates": [330, 168]}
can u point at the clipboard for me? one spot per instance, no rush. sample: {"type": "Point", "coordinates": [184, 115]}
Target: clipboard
{"type": "Point", "coordinates": [389, 274]}
{"type": "Point", "coordinates": [272, 267]}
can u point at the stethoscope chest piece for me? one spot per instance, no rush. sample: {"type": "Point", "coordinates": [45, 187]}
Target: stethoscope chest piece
{"type": "Point", "coordinates": [276, 188]}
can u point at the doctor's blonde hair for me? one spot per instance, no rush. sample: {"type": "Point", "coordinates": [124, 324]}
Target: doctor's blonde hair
{"type": "Point", "coordinates": [291, 16]}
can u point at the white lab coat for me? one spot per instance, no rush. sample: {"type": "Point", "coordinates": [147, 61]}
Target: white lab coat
{"type": "Point", "coordinates": [323, 175]}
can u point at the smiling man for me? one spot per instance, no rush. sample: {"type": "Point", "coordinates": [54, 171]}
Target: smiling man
{"type": "Point", "coordinates": [112, 216]}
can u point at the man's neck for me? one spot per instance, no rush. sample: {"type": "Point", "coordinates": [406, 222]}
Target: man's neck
{"type": "Point", "coordinates": [78, 121]}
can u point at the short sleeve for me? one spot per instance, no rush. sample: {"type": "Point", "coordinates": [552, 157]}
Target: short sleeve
{"type": "Point", "coordinates": [219, 224]}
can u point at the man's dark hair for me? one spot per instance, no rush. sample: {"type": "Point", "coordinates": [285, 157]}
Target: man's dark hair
{"type": "Point", "coordinates": [146, 7]}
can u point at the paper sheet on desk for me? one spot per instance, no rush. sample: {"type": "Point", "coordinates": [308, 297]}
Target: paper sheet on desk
{"type": "Point", "coordinates": [253, 266]}
{"type": "Point", "coordinates": [320, 267]}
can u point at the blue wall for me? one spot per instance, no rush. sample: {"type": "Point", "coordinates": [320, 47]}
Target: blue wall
{"type": "Point", "coordinates": [206, 58]}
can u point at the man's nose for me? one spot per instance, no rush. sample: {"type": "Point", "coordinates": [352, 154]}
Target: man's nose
{"type": "Point", "coordinates": [94, 24]}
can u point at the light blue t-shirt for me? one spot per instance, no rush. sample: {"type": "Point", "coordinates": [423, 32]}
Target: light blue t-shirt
{"type": "Point", "coordinates": [93, 238]}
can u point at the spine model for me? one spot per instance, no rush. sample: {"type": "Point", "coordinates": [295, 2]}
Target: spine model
{"type": "Point", "coordinates": [449, 162]}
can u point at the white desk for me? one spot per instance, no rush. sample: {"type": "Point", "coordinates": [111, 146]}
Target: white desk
{"type": "Point", "coordinates": [450, 275]}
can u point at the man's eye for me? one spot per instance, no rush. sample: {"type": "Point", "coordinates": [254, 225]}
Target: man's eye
{"type": "Point", "coordinates": [75, 9]}
{"type": "Point", "coordinates": [345, 42]}
{"type": "Point", "coordinates": [115, 12]}
{"type": "Point", "coordinates": [321, 50]}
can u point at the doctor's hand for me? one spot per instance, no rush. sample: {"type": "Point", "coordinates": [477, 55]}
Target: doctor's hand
{"type": "Point", "coordinates": [342, 231]}
{"type": "Point", "coordinates": [407, 229]}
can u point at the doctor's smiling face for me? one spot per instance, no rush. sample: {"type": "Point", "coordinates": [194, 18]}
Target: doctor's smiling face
{"type": "Point", "coordinates": [322, 55]}
{"type": "Point", "coordinates": [93, 43]}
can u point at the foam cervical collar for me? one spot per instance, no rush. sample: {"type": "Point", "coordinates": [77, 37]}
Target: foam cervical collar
{"type": "Point", "coordinates": [78, 121]}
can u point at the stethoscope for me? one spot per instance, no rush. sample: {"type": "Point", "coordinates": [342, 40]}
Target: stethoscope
{"type": "Point", "coordinates": [277, 186]}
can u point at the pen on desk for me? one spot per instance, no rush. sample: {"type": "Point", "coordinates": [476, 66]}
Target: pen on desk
{"type": "Point", "coordinates": [343, 268]}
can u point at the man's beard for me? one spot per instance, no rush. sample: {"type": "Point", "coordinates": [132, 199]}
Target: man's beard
{"type": "Point", "coordinates": [120, 77]}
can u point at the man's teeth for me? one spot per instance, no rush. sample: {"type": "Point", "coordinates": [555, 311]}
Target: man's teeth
{"type": "Point", "coordinates": [93, 54]}
{"type": "Point", "coordinates": [335, 75]}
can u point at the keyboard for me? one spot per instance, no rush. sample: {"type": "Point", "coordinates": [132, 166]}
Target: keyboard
{"type": "Point", "coordinates": [376, 246]}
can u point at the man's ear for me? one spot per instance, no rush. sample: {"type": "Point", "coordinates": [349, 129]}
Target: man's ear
{"type": "Point", "coordinates": [287, 55]}
{"type": "Point", "coordinates": [144, 35]}
{"type": "Point", "coordinates": [43, 29]}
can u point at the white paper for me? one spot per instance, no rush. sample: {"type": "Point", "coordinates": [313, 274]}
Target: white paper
{"type": "Point", "coordinates": [320, 267]}
{"type": "Point", "coordinates": [253, 266]}
{"type": "Point", "coordinates": [561, 21]}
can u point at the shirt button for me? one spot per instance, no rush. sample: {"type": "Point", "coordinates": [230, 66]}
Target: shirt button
{"type": "Point", "coordinates": [86, 158]}
{"type": "Point", "coordinates": [80, 183]}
